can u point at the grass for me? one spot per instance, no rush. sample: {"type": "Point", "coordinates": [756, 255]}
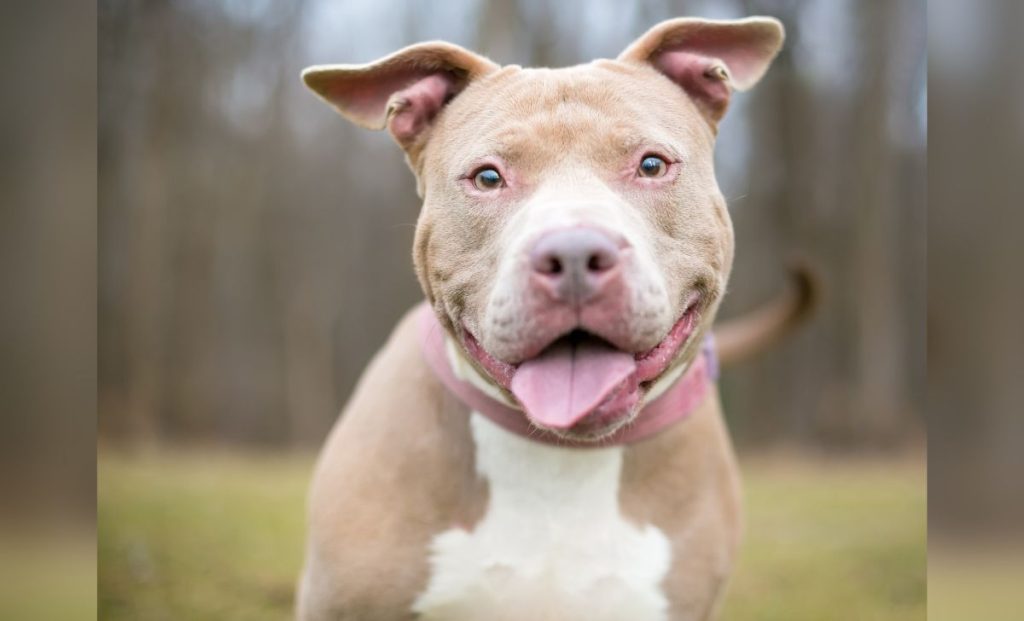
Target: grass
{"type": "Point", "coordinates": [976, 579]}
{"type": "Point", "coordinates": [219, 536]}
{"type": "Point", "coordinates": [47, 571]}
{"type": "Point", "coordinates": [196, 537]}
{"type": "Point", "coordinates": [832, 541]}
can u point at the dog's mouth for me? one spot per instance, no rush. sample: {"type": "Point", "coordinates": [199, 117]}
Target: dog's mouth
{"type": "Point", "coordinates": [581, 383]}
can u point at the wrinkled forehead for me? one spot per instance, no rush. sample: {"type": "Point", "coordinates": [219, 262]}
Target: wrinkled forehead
{"type": "Point", "coordinates": [598, 113]}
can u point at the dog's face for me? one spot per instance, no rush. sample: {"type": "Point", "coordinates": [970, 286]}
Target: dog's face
{"type": "Point", "coordinates": [573, 238]}
{"type": "Point", "coordinates": [571, 220]}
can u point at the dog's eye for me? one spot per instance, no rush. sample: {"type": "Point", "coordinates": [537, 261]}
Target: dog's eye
{"type": "Point", "coordinates": [487, 179]}
{"type": "Point", "coordinates": [652, 166]}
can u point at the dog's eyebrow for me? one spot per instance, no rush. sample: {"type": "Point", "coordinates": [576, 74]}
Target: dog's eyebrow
{"type": "Point", "coordinates": [490, 149]}
{"type": "Point", "coordinates": [628, 142]}
{"type": "Point", "coordinates": [467, 164]}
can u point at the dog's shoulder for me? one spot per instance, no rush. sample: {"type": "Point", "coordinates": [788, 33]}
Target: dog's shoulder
{"type": "Point", "coordinates": [369, 529]}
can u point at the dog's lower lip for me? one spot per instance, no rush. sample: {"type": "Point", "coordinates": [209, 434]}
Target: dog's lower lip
{"type": "Point", "coordinates": [499, 370]}
{"type": "Point", "coordinates": [688, 317]}
{"type": "Point", "coordinates": [650, 363]}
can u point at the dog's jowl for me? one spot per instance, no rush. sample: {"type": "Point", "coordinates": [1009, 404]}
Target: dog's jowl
{"type": "Point", "coordinates": [542, 437]}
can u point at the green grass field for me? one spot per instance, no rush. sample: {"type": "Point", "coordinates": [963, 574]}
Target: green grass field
{"type": "Point", "coordinates": [195, 536]}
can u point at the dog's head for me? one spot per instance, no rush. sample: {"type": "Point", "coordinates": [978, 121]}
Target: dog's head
{"type": "Point", "coordinates": [573, 238]}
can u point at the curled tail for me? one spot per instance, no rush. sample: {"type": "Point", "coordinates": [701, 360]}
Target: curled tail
{"type": "Point", "coordinates": [742, 337]}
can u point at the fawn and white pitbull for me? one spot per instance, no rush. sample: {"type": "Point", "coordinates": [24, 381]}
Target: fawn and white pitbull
{"type": "Point", "coordinates": [542, 439]}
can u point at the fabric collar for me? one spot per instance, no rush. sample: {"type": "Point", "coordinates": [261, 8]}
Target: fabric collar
{"type": "Point", "coordinates": [674, 404]}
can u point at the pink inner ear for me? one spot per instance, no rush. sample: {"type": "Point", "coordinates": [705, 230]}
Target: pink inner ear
{"type": "Point", "coordinates": [417, 105]}
{"type": "Point", "coordinates": [689, 57]}
{"type": "Point", "coordinates": [405, 98]}
{"type": "Point", "coordinates": [365, 95]}
{"type": "Point", "coordinates": [691, 71]}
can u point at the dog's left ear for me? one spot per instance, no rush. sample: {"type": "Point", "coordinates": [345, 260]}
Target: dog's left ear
{"type": "Point", "coordinates": [709, 58]}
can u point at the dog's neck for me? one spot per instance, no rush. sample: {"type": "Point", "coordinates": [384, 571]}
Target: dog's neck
{"type": "Point", "coordinates": [668, 401]}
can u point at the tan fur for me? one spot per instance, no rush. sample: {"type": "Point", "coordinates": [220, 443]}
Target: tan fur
{"type": "Point", "coordinates": [399, 467]}
{"type": "Point", "coordinates": [685, 482]}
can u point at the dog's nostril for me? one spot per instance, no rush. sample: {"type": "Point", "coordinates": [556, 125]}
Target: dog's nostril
{"type": "Point", "coordinates": [600, 261]}
{"type": "Point", "coordinates": [549, 264]}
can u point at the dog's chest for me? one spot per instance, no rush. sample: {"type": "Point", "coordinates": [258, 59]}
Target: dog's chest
{"type": "Point", "coordinates": [553, 543]}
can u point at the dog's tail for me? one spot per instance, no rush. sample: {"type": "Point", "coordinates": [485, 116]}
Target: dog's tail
{"type": "Point", "coordinates": [740, 338]}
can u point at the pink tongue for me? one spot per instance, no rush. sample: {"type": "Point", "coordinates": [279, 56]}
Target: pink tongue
{"type": "Point", "coordinates": [567, 381]}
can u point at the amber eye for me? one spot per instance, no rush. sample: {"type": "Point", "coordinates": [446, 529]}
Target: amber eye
{"type": "Point", "coordinates": [652, 166]}
{"type": "Point", "coordinates": [487, 179]}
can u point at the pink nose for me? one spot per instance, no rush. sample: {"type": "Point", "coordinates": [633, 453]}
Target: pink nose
{"type": "Point", "coordinates": [576, 264]}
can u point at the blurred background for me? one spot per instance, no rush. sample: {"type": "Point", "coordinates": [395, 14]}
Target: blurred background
{"type": "Point", "coordinates": [255, 250]}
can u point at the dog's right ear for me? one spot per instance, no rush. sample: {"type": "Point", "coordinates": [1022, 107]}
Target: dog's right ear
{"type": "Point", "coordinates": [403, 91]}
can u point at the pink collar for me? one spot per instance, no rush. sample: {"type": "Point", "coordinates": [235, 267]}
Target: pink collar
{"type": "Point", "coordinates": [670, 407]}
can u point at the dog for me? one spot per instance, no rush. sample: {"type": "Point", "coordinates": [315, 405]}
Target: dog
{"type": "Point", "coordinates": [542, 437]}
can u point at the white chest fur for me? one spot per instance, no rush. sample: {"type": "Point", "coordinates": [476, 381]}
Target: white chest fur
{"type": "Point", "coordinates": [553, 543]}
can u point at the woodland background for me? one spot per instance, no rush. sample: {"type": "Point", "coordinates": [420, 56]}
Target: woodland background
{"type": "Point", "coordinates": [255, 248]}
{"type": "Point", "coordinates": [254, 251]}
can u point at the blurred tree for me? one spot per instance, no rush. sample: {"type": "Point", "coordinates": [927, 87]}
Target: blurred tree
{"type": "Point", "coordinates": [255, 250]}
